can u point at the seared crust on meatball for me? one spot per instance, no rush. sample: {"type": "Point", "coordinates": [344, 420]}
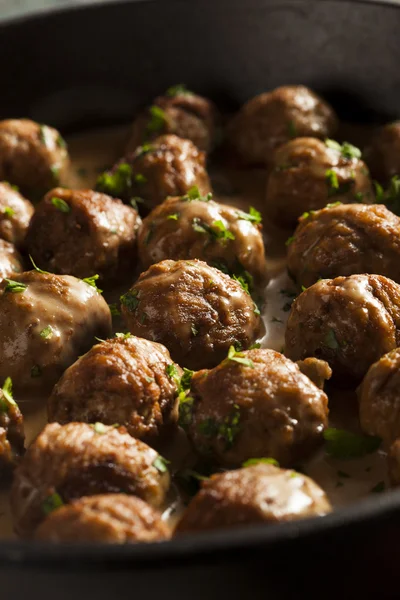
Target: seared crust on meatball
{"type": "Point", "coordinates": [195, 310]}
{"type": "Point", "coordinates": [111, 519]}
{"type": "Point", "coordinates": [184, 228]}
{"type": "Point", "coordinates": [82, 232]}
{"type": "Point", "coordinates": [349, 321]}
{"type": "Point", "coordinates": [379, 398]}
{"type": "Point", "coordinates": [257, 403]}
{"type": "Point", "coordinates": [184, 114]}
{"type": "Point", "coordinates": [169, 166]}
{"type": "Point", "coordinates": [307, 174]}
{"type": "Point", "coordinates": [12, 434]}
{"type": "Point", "coordinates": [46, 322]}
{"type": "Point", "coordinates": [382, 155]}
{"type": "Point", "coordinates": [253, 495]}
{"type": "Point", "coordinates": [345, 240]}
{"type": "Point", "coordinates": [317, 370]}
{"type": "Point", "coordinates": [78, 459]}
{"type": "Point", "coordinates": [273, 118]}
{"type": "Point", "coordinates": [15, 214]}
{"type": "Point", "coordinates": [10, 260]}
{"type": "Point", "coordinates": [32, 156]}
{"type": "Point", "coordinates": [123, 380]}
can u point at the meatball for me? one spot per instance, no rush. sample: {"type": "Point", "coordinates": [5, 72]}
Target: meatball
{"type": "Point", "coordinates": [32, 156]}
{"type": "Point", "coordinates": [179, 112]}
{"type": "Point", "coordinates": [345, 240]}
{"type": "Point", "coordinates": [185, 228]}
{"type": "Point", "coordinates": [349, 321]}
{"type": "Point", "coordinates": [110, 518]}
{"type": "Point", "coordinates": [256, 494]}
{"type": "Point", "coordinates": [306, 174]}
{"type": "Point", "coordinates": [81, 232]}
{"type": "Point", "coordinates": [378, 398]}
{"type": "Point", "coordinates": [15, 214]}
{"type": "Point", "coordinates": [46, 322]}
{"type": "Point", "coordinates": [273, 118]}
{"type": "Point", "coordinates": [255, 403]}
{"type": "Point", "coordinates": [382, 155]}
{"type": "Point", "coordinates": [12, 434]}
{"type": "Point", "coordinates": [317, 370]}
{"type": "Point", "coordinates": [195, 310]}
{"type": "Point", "coordinates": [10, 260]}
{"type": "Point", "coordinates": [66, 462]}
{"type": "Point", "coordinates": [169, 166]}
{"type": "Point", "coordinates": [123, 380]}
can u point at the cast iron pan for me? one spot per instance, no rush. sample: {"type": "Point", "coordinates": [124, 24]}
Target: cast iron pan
{"type": "Point", "coordinates": [94, 65]}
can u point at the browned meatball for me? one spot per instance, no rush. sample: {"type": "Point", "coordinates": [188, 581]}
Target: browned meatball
{"type": "Point", "coordinates": [66, 462]}
{"type": "Point", "coordinates": [185, 228]}
{"type": "Point", "coordinates": [345, 240]}
{"type": "Point", "coordinates": [382, 155]}
{"type": "Point", "coordinates": [349, 321]}
{"type": "Point", "coordinates": [46, 322]}
{"type": "Point", "coordinates": [110, 519]}
{"type": "Point", "coordinates": [12, 434]}
{"type": "Point", "coordinates": [317, 370]}
{"type": "Point", "coordinates": [125, 381]}
{"type": "Point", "coordinates": [10, 260]}
{"type": "Point", "coordinates": [169, 166]}
{"type": "Point", "coordinates": [15, 214]}
{"type": "Point", "coordinates": [82, 232]}
{"type": "Point", "coordinates": [256, 403]}
{"type": "Point", "coordinates": [273, 118]}
{"type": "Point", "coordinates": [258, 494]}
{"type": "Point", "coordinates": [32, 156]}
{"type": "Point", "coordinates": [195, 310]}
{"type": "Point", "coordinates": [307, 173]}
{"type": "Point", "coordinates": [180, 112]}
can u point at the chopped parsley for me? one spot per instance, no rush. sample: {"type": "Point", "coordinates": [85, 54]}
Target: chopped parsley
{"type": "Point", "coordinates": [292, 131]}
{"type": "Point", "coordinates": [36, 371]}
{"type": "Point", "coordinates": [123, 336]}
{"type": "Point", "coordinates": [193, 193]}
{"type": "Point", "coordinates": [333, 204]}
{"type": "Point", "coordinates": [100, 428]}
{"type": "Point", "coordinates": [185, 409]}
{"type": "Point", "coordinates": [345, 444]}
{"type": "Point", "coordinates": [179, 89]}
{"type": "Point", "coordinates": [223, 232]}
{"type": "Point", "coordinates": [130, 300]}
{"type": "Point", "coordinates": [289, 240]}
{"type": "Point", "coordinates": [140, 178]}
{"type": "Point", "coordinates": [330, 340]}
{"type": "Point", "coordinates": [243, 282]}
{"type": "Point", "coordinates": [92, 282]}
{"type": "Point", "coordinates": [43, 134]}
{"type": "Point", "coordinates": [217, 230]}
{"type": "Point", "coordinates": [228, 429]}
{"type": "Point", "coordinates": [61, 143]}
{"type": "Point", "coordinates": [157, 120]}
{"type": "Point", "coordinates": [60, 204]}
{"type": "Point", "coordinates": [346, 150]}
{"type": "Point", "coordinates": [15, 287]}
{"type": "Point", "coordinates": [36, 267]}
{"type": "Point", "coordinates": [173, 373]}
{"type": "Point", "coordinates": [378, 488]}
{"type": "Point", "coordinates": [255, 346]}
{"type": "Point", "coordinates": [257, 461]}
{"type": "Point", "coordinates": [173, 217]}
{"type": "Point", "coordinates": [114, 310]}
{"type": "Point", "coordinates": [254, 216]}
{"type": "Point", "coordinates": [392, 196]}
{"type": "Point", "coordinates": [117, 182]}
{"type": "Point", "coordinates": [332, 181]}
{"type": "Point", "coordinates": [379, 193]}
{"type": "Point", "coordinates": [239, 357]}
{"type": "Point", "coordinates": [8, 212]}
{"type": "Point", "coordinates": [135, 201]}
{"type": "Point", "coordinates": [305, 215]}
{"type": "Point", "coordinates": [160, 463]}
{"type": "Point", "coordinates": [194, 330]}
{"type": "Point", "coordinates": [47, 332]}
{"type": "Point", "coordinates": [359, 196]}
{"type": "Point", "coordinates": [6, 398]}
{"type": "Point", "coordinates": [186, 379]}
{"type": "Point", "coordinates": [52, 503]}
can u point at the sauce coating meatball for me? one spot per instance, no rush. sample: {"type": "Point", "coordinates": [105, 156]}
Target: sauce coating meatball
{"type": "Point", "coordinates": [123, 380]}
{"type": "Point", "coordinates": [12, 434]}
{"type": "Point", "coordinates": [169, 166]}
{"type": "Point", "coordinates": [273, 118]}
{"type": "Point", "coordinates": [82, 232]}
{"type": "Point", "coordinates": [179, 112]}
{"type": "Point", "coordinates": [307, 174]}
{"type": "Point", "coordinates": [15, 214]}
{"type": "Point", "coordinates": [345, 240]}
{"type": "Point", "coordinates": [32, 156]}
{"type": "Point", "coordinates": [257, 403]}
{"type": "Point", "coordinates": [258, 494]}
{"type": "Point", "coordinates": [110, 519]}
{"type": "Point", "coordinates": [185, 228]}
{"type": "Point", "coordinates": [46, 322]}
{"type": "Point", "coordinates": [66, 462]}
{"type": "Point", "coordinates": [349, 321]}
{"type": "Point", "coordinates": [10, 260]}
{"type": "Point", "coordinates": [195, 310]}
{"type": "Point", "coordinates": [382, 155]}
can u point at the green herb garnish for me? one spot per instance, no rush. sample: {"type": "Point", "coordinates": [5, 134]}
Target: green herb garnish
{"type": "Point", "coordinates": [345, 444]}
{"type": "Point", "coordinates": [347, 150]}
{"type": "Point", "coordinates": [330, 340]}
{"type": "Point", "coordinates": [116, 183]}
{"type": "Point", "coordinates": [140, 178]}
{"type": "Point", "coordinates": [60, 204]}
{"type": "Point", "coordinates": [256, 461]}
{"type": "Point", "coordinates": [123, 336]}
{"type": "Point", "coordinates": [130, 300]}
{"type": "Point", "coordinates": [173, 217]}
{"type": "Point", "coordinates": [52, 503]}
{"type": "Point", "coordinates": [292, 131]}
{"type": "Point", "coordinates": [332, 181]}
{"type": "Point", "coordinates": [92, 282]}
{"type": "Point", "coordinates": [160, 463]}
{"type": "Point", "coordinates": [157, 121]}
{"type": "Point", "coordinates": [114, 310]}
{"type": "Point", "coordinates": [6, 398]}
{"type": "Point", "coordinates": [253, 215]}
{"type": "Point", "coordinates": [47, 332]}
{"type": "Point", "coordinates": [61, 143]}
{"type": "Point", "coordinates": [37, 268]}
{"type": "Point", "coordinates": [239, 357]}
{"type": "Point", "coordinates": [15, 287]}
{"type": "Point", "coordinates": [289, 240]}
{"type": "Point", "coordinates": [179, 89]}
{"type": "Point", "coordinates": [8, 212]}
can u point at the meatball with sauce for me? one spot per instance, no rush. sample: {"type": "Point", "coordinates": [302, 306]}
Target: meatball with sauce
{"type": "Point", "coordinates": [82, 232]}
{"type": "Point", "coordinates": [349, 321]}
{"type": "Point", "coordinates": [124, 380]}
{"type": "Point", "coordinates": [169, 166]}
{"type": "Point", "coordinates": [255, 403]}
{"type": "Point", "coordinates": [15, 214]}
{"type": "Point", "coordinates": [186, 228]}
{"type": "Point", "coordinates": [32, 156]}
{"type": "Point", "coordinates": [253, 495]}
{"type": "Point", "coordinates": [46, 322]}
{"type": "Point", "coordinates": [273, 118]}
{"type": "Point", "coordinates": [66, 462]}
{"type": "Point", "coordinates": [12, 434]}
{"type": "Point", "coordinates": [11, 261]}
{"type": "Point", "coordinates": [109, 518]}
{"type": "Point", "coordinates": [307, 174]}
{"type": "Point", "coordinates": [195, 310]}
{"type": "Point", "coordinates": [382, 155]}
{"type": "Point", "coordinates": [179, 112]}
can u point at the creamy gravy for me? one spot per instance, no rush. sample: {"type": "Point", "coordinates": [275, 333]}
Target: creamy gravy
{"type": "Point", "coordinates": [344, 481]}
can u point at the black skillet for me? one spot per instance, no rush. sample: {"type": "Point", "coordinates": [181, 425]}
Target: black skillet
{"type": "Point", "coordinates": [93, 65]}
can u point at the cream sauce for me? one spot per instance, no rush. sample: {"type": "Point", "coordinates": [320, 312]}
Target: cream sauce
{"type": "Point", "coordinates": [344, 481]}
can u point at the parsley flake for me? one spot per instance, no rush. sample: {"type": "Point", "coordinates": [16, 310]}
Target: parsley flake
{"type": "Point", "coordinates": [37, 268]}
{"type": "Point", "coordinates": [289, 240]}
{"type": "Point", "coordinates": [173, 217]}
{"type": "Point", "coordinates": [117, 182]}
{"type": "Point", "coordinates": [114, 310]}
{"type": "Point", "coordinates": [92, 282]}
{"type": "Point", "coordinates": [140, 178]}
{"type": "Point", "coordinates": [52, 503]}
{"type": "Point", "coordinates": [239, 357]}
{"type": "Point", "coordinates": [346, 150]}
{"type": "Point", "coordinates": [292, 131]}
{"type": "Point", "coordinates": [60, 204]}
{"type": "Point", "coordinates": [256, 461]}
{"type": "Point", "coordinates": [130, 300]}
{"type": "Point", "coordinates": [194, 330]}
{"type": "Point", "coordinates": [330, 340]}
{"type": "Point", "coordinates": [179, 89]}
{"type": "Point", "coordinates": [157, 120]}
{"type": "Point", "coordinates": [47, 332]}
{"type": "Point", "coordinates": [8, 212]}
{"type": "Point", "coordinates": [254, 216]}
{"type": "Point", "coordinates": [123, 336]}
{"type": "Point", "coordinates": [332, 181]}
{"type": "Point", "coordinates": [15, 287]}
{"type": "Point", "coordinates": [99, 428]}
{"type": "Point", "coordinates": [160, 463]}
{"type": "Point", "coordinates": [6, 398]}
{"type": "Point", "coordinates": [345, 444]}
